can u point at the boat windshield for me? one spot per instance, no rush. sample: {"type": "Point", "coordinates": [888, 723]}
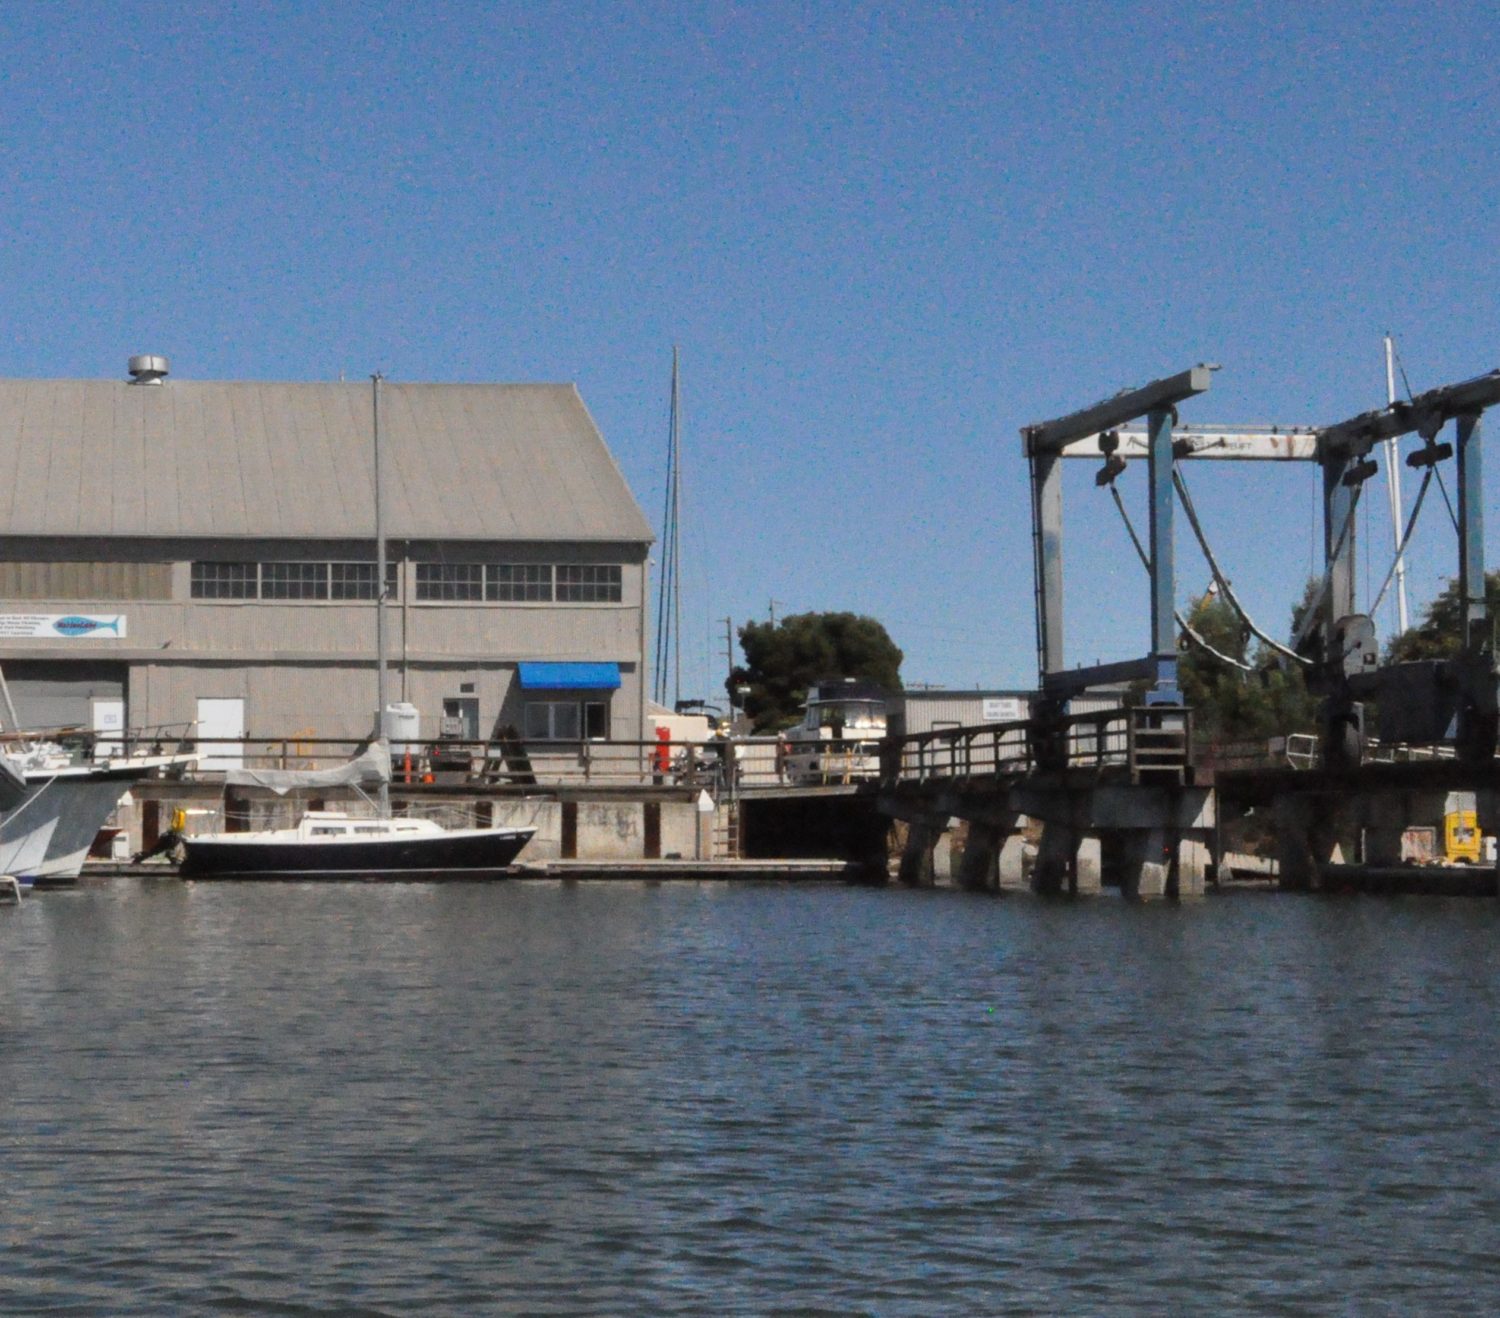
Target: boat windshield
{"type": "Point", "coordinates": [847, 714]}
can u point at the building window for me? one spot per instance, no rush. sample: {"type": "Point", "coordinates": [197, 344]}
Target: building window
{"type": "Point", "coordinates": [226, 581]}
{"type": "Point", "coordinates": [552, 720]}
{"type": "Point", "coordinates": [589, 583]}
{"type": "Point", "coordinates": [450, 581]}
{"type": "Point", "coordinates": [567, 720]}
{"type": "Point", "coordinates": [294, 581]}
{"type": "Point", "coordinates": [282, 580]}
{"type": "Point", "coordinates": [356, 581]}
{"type": "Point", "coordinates": [518, 581]}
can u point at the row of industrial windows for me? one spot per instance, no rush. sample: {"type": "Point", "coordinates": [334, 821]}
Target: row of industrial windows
{"type": "Point", "coordinates": [288, 581]}
{"type": "Point", "coordinates": [566, 583]}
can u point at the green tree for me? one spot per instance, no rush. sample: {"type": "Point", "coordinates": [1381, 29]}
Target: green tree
{"type": "Point", "coordinates": [1436, 636]}
{"type": "Point", "coordinates": [1229, 703]}
{"type": "Point", "coordinates": [783, 660]}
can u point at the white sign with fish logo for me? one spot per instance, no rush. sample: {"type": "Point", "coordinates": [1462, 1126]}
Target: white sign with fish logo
{"type": "Point", "coordinates": [70, 626]}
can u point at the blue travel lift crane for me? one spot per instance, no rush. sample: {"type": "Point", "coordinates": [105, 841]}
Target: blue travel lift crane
{"type": "Point", "coordinates": [1426, 702]}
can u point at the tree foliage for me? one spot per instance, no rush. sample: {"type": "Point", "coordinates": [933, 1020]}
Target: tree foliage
{"type": "Point", "coordinates": [1229, 703]}
{"type": "Point", "coordinates": [783, 660]}
{"type": "Point", "coordinates": [1438, 634]}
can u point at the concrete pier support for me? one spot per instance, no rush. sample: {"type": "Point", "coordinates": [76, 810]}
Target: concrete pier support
{"type": "Point", "coordinates": [1158, 862]}
{"type": "Point", "coordinates": [979, 867]}
{"type": "Point", "coordinates": [916, 868]}
{"type": "Point", "coordinates": [994, 856]}
{"type": "Point", "coordinates": [1068, 861]}
{"type": "Point", "coordinates": [1012, 873]}
{"type": "Point", "coordinates": [1306, 840]}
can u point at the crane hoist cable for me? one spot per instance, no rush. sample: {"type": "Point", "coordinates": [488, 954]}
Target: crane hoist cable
{"type": "Point", "coordinates": [1411, 525]}
{"type": "Point", "coordinates": [1182, 622]}
{"type": "Point", "coordinates": [1222, 581]}
{"type": "Point", "coordinates": [1311, 617]}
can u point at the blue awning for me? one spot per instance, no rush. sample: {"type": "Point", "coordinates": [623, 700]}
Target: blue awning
{"type": "Point", "coordinates": [570, 677]}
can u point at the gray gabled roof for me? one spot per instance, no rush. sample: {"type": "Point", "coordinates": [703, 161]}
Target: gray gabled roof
{"type": "Point", "coordinates": [262, 459]}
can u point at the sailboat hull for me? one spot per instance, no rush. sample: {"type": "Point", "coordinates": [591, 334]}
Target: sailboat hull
{"type": "Point", "coordinates": [47, 835]}
{"type": "Point", "coordinates": [464, 854]}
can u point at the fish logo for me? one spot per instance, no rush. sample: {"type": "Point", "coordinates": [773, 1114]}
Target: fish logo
{"type": "Point", "coordinates": [73, 625]}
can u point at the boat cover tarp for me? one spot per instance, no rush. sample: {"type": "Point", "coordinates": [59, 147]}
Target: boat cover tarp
{"type": "Point", "coordinates": [373, 766]}
{"type": "Point", "coordinates": [569, 676]}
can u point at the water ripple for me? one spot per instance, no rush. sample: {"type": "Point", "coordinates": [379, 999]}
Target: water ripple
{"type": "Point", "coordinates": [678, 1099]}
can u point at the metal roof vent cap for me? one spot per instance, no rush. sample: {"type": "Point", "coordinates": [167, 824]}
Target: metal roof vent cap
{"type": "Point", "coordinates": [148, 369]}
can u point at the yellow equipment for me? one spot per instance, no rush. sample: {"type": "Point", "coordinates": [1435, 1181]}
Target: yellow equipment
{"type": "Point", "coordinates": [1461, 836]}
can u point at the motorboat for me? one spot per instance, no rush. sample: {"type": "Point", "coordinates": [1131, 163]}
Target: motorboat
{"type": "Point", "coordinates": [337, 844]}
{"type": "Point", "coordinates": [838, 740]}
{"type": "Point", "coordinates": [64, 800]}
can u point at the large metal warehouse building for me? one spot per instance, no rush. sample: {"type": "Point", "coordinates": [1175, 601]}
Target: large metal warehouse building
{"type": "Point", "coordinates": [181, 552]}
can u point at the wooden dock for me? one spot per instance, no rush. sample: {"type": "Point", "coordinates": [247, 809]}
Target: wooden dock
{"type": "Point", "coordinates": [650, 871]}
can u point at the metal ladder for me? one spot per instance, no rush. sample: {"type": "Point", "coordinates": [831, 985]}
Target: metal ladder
{"type": "Point", "coordinates": [725, 843]}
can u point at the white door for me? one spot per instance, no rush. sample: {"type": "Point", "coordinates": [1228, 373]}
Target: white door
{"type": "Point", "coordinates": [220, 717]}
{"type": "Point", "coordinates": [108, 720]}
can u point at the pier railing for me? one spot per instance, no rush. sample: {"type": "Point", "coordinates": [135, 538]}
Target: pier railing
{"type": "Point", "coordinates": [1143, 743]}
{"type": "Point", "coordinates": [542, 764]}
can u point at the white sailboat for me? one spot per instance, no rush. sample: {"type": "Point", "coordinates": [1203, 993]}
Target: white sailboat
{"type": "Point", "coordinates": [337, 844]}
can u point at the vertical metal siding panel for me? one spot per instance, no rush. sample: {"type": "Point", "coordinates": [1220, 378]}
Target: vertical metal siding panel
{"type": "Point", "coordinates": [498, 484]}
{"type": "Point", "coordinates": [211, 466]}
{"type": "Point", "coordinates": [119, 417]}
{"type": "Point", "coordinates": [179, 461]}
{"type": "Point", "coordinates": [262, 509]}
{"type": "Point", "coordinates": [415, 456]}
{"type": "Point", "coordinates": [312, 453]}
{"type": "Point", "coordinates": [346, 416]}
{"type": "Point", "coordinates": [12, 411]}
{"type": "Point", "coordinates": [160, 491]}
{"type": "Point", "coordinates": [477, 497]}
{"type": "Point", "coordinates": [29, 510]}
{"type": "Point", "coordinates": [524, 469]}
{"type": "Point", "coordinates": [63, 493]}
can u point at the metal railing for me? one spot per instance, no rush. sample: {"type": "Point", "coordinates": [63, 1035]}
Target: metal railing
{"type": "Point", "coordinates": [707, 765]}
{"type": "Point", "coordinates": [1149, 743]}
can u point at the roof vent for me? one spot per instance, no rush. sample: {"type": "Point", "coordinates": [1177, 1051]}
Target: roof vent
{"type": "Point", "coordinates": [148, 369]}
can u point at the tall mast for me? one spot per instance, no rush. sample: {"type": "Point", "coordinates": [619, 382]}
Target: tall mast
{"type": "Point", "coordinates": [668, 587]}
{"type": "Point", "coordinates": [676, 535]}
{"type": "Point", "coordinates": [380, 731]}
{"type": "Point", "coordinates": [1393, 488]}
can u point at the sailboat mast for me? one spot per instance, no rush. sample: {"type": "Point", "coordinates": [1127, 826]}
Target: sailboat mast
{"type": "Point", "coordinates": [379, 566]}
{"type": "Point", "coordinates": [668, 594]}
{"type": "Point", "coordinates": [1393, 488]}
{"type": "Point", "coordinates": [676, 535]}
{"type": "Point", "coordinates": [384, 800]}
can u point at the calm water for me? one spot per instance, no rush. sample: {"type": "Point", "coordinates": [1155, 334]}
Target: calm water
{"type": "Point", "coordinates": [743, 1099]}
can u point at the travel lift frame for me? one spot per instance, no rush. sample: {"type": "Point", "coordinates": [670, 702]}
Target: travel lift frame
{"type": "Point", "coordinates": [1348, 668]}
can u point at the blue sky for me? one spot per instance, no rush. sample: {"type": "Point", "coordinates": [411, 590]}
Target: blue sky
{"type": "Point", "coordinates": [884, 238]}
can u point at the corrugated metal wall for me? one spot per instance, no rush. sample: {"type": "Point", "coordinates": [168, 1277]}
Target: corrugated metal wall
{"type": "Point", "coordinates": [85, 581]}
